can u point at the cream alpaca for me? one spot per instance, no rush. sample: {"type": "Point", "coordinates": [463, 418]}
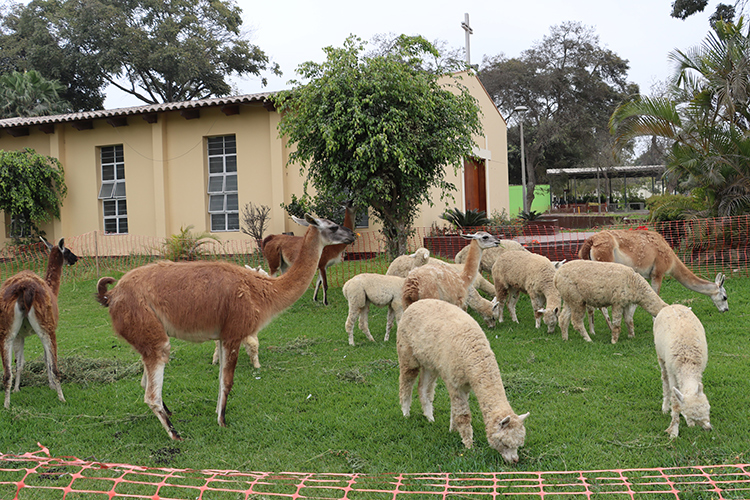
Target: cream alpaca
{"type": "Point", "coordinates": [682, 352]}
{"type": "Point", "coordinates": [368, 288]}
{"type": "Point", "coordinates": [222, 301]}
{"type": "Point", "coordinates": [489, 257]}
{"type": "Point", "coordinates": [586, 283]}
{"type": "Point", "coordinates": [530, 273]}
{"type": "Point", "coordinates": [435, 339]}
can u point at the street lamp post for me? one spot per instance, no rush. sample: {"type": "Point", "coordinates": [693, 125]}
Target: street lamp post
{"type": "Point", "coordinates": [521, 110]}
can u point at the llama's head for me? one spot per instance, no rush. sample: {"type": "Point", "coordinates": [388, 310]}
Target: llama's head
{"type": "Point", "coordinates": [68, 256]}
{"type": "Point", "coordinates": [507, 435]}
{"type": "Point", "coordinates": [720, 296]}
{"type": "Point", "coordinates": [329, 232]}
{"type": "Point", "coordinates": [483, 238]}
{"type": "Point", "coordinates": [694, 407]}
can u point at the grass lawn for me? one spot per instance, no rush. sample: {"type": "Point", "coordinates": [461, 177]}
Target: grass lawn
{"type": "Point", "coordinates": [320, 405]}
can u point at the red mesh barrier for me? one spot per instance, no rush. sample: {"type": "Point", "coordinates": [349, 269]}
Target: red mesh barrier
{"type": "Point", "coordinates": [38, 475]}
{"type": "Point", "coordinates": [706, 246]}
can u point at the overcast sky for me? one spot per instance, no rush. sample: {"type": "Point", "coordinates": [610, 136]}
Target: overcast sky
{"type": "Point", "coordinates": [291, 32]}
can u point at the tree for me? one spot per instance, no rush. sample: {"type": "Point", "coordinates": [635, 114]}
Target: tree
{"type": "Point", "coordinates": [682, 9]}
{"type": "Point", "coordinates": [379, 128]}
{"type": "Point", "coordinates": [32, 187]}
{"type": "Point", "coordinates": [29, 94]}
{"type": "Point", "coordinates": [155, 51]}
{"type": "Point", "coordinates": [570, 86]}
{"type": "Point", "coordinates": [706, 119]}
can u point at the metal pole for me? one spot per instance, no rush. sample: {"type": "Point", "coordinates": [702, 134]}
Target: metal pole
{"type": "Point", "coordinates": [467, 28]}
{"type": "Point", "coordinates": [523, 169]}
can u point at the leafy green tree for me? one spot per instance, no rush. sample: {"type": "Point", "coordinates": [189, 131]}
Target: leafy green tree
{"type": "Point", "coordinates": [156, 51]}
{"type": "Point", "coordinates": [380, 128]}
{"type": "Point", "coordinates": [570, 85]}
{"type": "Point", "coordinates": [682, 9]}
{"type": "Point", "coordinates": [706, 119]}
{"type": "Point", "coordinates": [32, 187]}
{"type": "Point", "coordinates": [29, 94]}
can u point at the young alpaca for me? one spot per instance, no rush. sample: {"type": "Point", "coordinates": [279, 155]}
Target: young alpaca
{"type": "Point", "coordinates": [442, 282]}
{"type": "Point", "coordinates": [440, 340]}
{"type": "Point", "coordinates": [207, 300]}
{"type": "Point", "coordinates": [682, 352]}
{"type": "Point", "coordinates": [586, 284]}
{"type": "Point", "coordinates": [251, 343]}
{"type": "Point", "coordinates": [369, 288]}
{"type": "Point", "coordinates": [651, 256]}
{"type": "Point", "coordinates": [28, 305]}
{"type": "Point", "coordinates": [527, 272]}
{"type": "Point", "coordinates": [281, 250]}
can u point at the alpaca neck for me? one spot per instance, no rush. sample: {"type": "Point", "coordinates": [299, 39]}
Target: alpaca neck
{"type": "Point", "coordinates": [54, 270]}
{"type": "Point", "coordinates": [294, 282]}
{"type": "Point", "coordinates": [685, 276]}
{"type": "Point", "coordinates": [471, 266]}
{"type": "Point", "coordinates": [490, 393]}
{"type": "Point", "coordinates": [650, 300]}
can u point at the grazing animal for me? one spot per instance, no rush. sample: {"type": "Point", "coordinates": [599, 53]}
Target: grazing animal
{"type": "Point", "coordinates": [28, 305]}
{"type": "Point", "coordinates": [281, 250]}
{"type": "Point", "coordinates": [369, 288]}
{"type": "Point", "coordinates": [682, 352]}
{"type": "Point", "coordinates": [531, 273]}
{"type": "Point", "coordinates": [200, 301]}
{"type": "Point", "coordinates": [489, 257]}
{"type": "Point", "coordinates": [442, 282]}
{"type": "Point", "coordinates": [651, 256]}
{"type": "Point", "coordinates": [585, 284]}
{"type": "Point", "coordinates": [435, 339]}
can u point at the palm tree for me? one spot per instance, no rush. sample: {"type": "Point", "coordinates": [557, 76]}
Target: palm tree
{"type": "Point", "coordinates": [706, 119]}
{"type": "Point", "coordinates": [30, 94]}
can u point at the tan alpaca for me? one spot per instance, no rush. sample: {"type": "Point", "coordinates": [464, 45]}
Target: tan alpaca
{"type": "Point", "coordinates": [435, 339]}
{"type": "Point", "coordinates": [208, 300]}
{"type": "Point", "coordinates": [28, 305]}
{"type": "Point", "coordinates": [651, 256]}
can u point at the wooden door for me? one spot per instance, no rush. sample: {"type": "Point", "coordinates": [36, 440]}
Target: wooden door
{"type": "Point", "coordinates": [475, 184]}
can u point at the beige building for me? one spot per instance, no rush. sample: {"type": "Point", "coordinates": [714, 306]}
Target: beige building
{"type": "Point", "coordinates": [152, 170]}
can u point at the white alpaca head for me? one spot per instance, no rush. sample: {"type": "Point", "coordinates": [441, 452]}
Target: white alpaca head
{"type": "Point", "coordinates": [694, 407]}
{"type": "Point", "coordinates": [720, 297]}
{"type": "Point", "coordinates": [508, 435]}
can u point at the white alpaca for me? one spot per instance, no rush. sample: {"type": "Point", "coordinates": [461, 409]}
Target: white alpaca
{"type": "Point", "coordinates": [682, 352]}
{"type": "Point", "coordinates": [436, 339]}
{"type": "Point", "coordinates": [530, 273]}
{"type": "Point", "coordinates": [489, 257]}
{"type": "Point", "coordinates": [442, 282]}
{"type": "Point", "coordinates": [403, 264]}
{"type": "Point", "coordinates": [369, 288]}
{"type": "Point", "coordinates": [589, 284]}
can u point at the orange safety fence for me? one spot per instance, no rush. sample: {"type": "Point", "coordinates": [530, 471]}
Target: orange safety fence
{"type": "Point", "coordinates": [706, 246]}
{"type": "Point", "coordinates": [39, 475]}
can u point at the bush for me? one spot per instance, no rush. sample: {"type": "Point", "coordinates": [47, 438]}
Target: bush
{"type": "Point", "coordinates": [669, 207]}
{"type": "Point", "coordinates": [472, 218]}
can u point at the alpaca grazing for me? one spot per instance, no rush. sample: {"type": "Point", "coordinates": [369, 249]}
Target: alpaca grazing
{"type": "Point", "coordinates": [682, 352]}
{"type": "Point", "coordinates": [442, 282]}
{"type": "Point", "coordinates": [200, 301]}
{"type": "Point", "coordinates": [489, 257]}
{"type": "Point", "coordinates": [281, 250]}
{"type": "Point", "coordinates": [651, 256]}
{"type": "Point", "coordinates": [435, 339]}
{"type": "Point", "coordinates": [28, 305]}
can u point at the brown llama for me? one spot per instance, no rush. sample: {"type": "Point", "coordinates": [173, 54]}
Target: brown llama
{"type": "Point", "coordinates": [280, 251]}
{"type": "Point", "coordinates": [28, 305]}
{"type": "Point", "coordinates": [207, 300]}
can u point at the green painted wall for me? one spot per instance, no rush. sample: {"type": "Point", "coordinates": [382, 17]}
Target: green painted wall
{"type": "Point", "coordinates": [541, 199]}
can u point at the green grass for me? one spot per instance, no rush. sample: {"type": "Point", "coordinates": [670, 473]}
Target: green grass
{"type": "Point", "coordinates": [320, 405]}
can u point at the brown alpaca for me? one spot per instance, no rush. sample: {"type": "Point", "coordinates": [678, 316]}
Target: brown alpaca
{"type": "Point", "coordinates": [28, 305]}
{"type": "Point", "coordinates": [200, 301]}
{"type": "Point", "coordinates": [651, 256]}
{"type": "Point", "coordinates": [437, 281]}
{"type": "Point", "coordinates": [280, 251]}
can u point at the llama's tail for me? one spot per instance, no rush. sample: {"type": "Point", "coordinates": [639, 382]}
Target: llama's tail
{"type": "Point", "coordinates": [24, 293]}
{"type": "Point", "coordinates": [101, 290]}
{"type": "Point", "coordinates": [410, 292]}
{"type": "Point", "coordinates": [585, 251]}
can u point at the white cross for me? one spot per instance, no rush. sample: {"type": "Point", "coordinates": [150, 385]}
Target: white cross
{"type": "Point", "coordinates": [469, 31]}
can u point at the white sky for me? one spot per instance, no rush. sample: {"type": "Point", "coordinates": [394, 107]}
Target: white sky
{"type": "Point", "coordinates": [291, 32]}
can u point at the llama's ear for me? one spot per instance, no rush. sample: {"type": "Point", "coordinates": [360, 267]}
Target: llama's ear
{"type": "Point", "coordinates": [523, 417]}
{"type": "Point", "coordinates": [61, 244]}
{"type": "Point", "coordinates": [301, 222]}
{"type": "Point", "coordinates": [504, 422]}
{"type": "Point", "coordinates": [46, 243]}
{"type": "Point", "coordinates": [720, 279]}
{"type": "Point", "coordinates": [468, 236]}
{"type": "Point", "coordinates": [678, 395]}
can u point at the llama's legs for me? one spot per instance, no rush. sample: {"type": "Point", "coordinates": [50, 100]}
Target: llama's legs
{"type": "Point", "coordinates": [674, 425]}
{"type": "Point", "coordinates": [577, 313]}
{"type": "Point", "coordinates": [251, 348]}
{"type": "Point", "coordinates": [513, 297]}
{"type": "Point", "coordinates": [322, 280]}
{"type": "Point", "coordinates": [49, 344]}
{"type": "Point", "coordinates": [354, 314]}
{"type": "Point", "coordinates": [364, 319]}
{"type": "Point", "coordinates": [229, 352]}
{"type": "Point", "coordinates": [501, 295]}
{"type": "Point", "coordinates": [215, 357]}
{"type": "Point", "coordinates": [154, 362]}
{"type": "Point", "coordinates": [389, 322]}
{"type": "Point", "coordinates": [426, 390]}
{"type": "Point", "coordinates": [565, 320]}
{"type": "Point", "coordinates": [666, 393]}
{"type": "Point", "coordinates": [7, 355]}
{"type": "Point", "coordinates": [408, 373]}
{"type": "Point", "coordinates": [617, 313]}
{"type": "Point", "coordinates": [590, 313]}
{"type": "Point", "coordinates": [629, 313]}
{"type": "Point", "coordinates": [537, 304]}
{"type": "Point", "coordinates": [20, 360]}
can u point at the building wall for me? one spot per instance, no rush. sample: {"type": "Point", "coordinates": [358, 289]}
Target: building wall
{"type": "Point", "coordinates": [166, 169]}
